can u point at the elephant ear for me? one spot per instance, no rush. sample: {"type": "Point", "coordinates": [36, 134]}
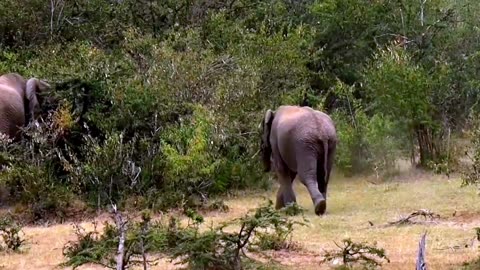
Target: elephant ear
{"type": "Point", "coordinates": [266, 147]}
{"type": "Point", "coordinates": [268, 118]}
{"type": "Point", "coordinates": [33, 87]}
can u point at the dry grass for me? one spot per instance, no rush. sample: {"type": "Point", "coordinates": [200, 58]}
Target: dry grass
{"type": "Point", "coordinates": [352, 204]}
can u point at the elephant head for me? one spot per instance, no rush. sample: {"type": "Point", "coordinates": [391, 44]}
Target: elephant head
{"type": "Point", "coordinates": [19, 103]}
{"type": "Point", "coordinates": [266, 147]}
{"type": "Point", "coordinates": [32, 105]}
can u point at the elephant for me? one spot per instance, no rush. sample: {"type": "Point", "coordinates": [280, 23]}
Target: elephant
{"type": "Point", "coordinates": [299, 140]}
{"type": "Point", "coordinates": [19, 103]}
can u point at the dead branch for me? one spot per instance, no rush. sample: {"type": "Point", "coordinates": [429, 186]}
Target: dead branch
{"type": "Point", "coordinates": [122, 229]}
{"type": "Point", "coordinates": [421, 262]}
{"type": "Point", "coordinates": [427, 214]}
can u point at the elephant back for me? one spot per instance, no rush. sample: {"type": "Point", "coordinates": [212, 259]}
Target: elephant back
{"type": "Point", "coordinates": [12, 111]}
{"type": "Point", "coordinates": [305, 123]}
{"type": "Point", "coordinates": [13, 81]}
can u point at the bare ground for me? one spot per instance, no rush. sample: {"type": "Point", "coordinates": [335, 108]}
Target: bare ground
{"type": "Point", "coordinates": [358, 208]}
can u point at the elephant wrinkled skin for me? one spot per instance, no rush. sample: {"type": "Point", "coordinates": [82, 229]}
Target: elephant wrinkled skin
{"type": "Point", "coordinates": [299, 140]}
{"type": "Point", "coordinates": [18, 101]}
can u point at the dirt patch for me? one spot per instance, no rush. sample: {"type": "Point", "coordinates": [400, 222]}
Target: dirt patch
{"type": "Point", "coordinates": [462, 220]}
{"type": "Point", "coordinates": [465, 217]}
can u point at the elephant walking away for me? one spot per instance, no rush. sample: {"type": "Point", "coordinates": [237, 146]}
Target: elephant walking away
{"type": "Point", "coordinates": [299, 140]}
{"type": "Point", "coordinates": [18, 102]}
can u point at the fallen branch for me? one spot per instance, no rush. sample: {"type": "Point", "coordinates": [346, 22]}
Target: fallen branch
{"type": "Point", "coordinates": [408, 220]}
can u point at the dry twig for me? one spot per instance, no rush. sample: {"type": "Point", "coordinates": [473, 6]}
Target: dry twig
{"type": "Point", "coordinates": [408, 220]}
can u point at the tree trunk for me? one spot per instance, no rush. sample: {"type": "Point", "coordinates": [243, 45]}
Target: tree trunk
{"type": "Point", "coordinates": [122, 229]}
{"type": "Point", "coordinates": [428, 145]}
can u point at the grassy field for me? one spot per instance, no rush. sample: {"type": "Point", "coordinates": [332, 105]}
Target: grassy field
{"type": "Point", "coordinates": [354, 205]}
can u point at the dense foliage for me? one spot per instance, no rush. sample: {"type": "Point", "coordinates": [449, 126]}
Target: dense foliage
{"type": "Point", "coordinates": [157, 103]}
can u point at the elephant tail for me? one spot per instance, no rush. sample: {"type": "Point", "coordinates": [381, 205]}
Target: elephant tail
{"type": "Point", "coordinates": [325, 160]}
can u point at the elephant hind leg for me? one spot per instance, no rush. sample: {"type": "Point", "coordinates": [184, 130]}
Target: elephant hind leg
{"type": "Point", "coordinates": [322, 186]}
{"type": "Point", "coordinates": [307, 171]}
{"type": "Point", "coordinates": [285, 193]}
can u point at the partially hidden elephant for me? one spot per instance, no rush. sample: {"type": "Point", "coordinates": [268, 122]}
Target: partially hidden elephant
{"type": "Point", "coordinates": [18, 102]}
{"type": "Point", "coordinates": [299, 141]}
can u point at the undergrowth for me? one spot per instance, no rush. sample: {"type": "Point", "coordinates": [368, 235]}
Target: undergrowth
{"type": "Point", "coordinates": [218, 247]}
{"type": "Point", "coordinates": [471, 175]}
{"type": "Point", "coordinates": [11, 235]}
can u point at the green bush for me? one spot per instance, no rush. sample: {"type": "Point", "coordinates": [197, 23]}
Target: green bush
{"type": "Point", "coordinates": [189, 156]}
{"type": "Point", "coordinates": [409, 93]}
{"type": "Point", "coordinates": [471, 174]}
{"type": "Point", "coordinates": [368, 143]}
{"type": "Point", "coordinates": [31, 174]}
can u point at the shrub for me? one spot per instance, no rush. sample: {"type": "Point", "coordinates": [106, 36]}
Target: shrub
{"type": "Point", "coordinates": [368, 143]}
{"type": "Point", "coordinates": [10, 232]}
{"type": "Point", "coordinates": [265, 229]}
{"type": "Point", "coordinates": [84, 250]}
{"type": "Point", "coordinates": [189, 155]}
{"type": "Point", "coordinates": [30, 174]}
{"type": "Point", "coordinates": [352, 253]}
{"type": "Point", "coordinates": [218, 205]}
{"type": "Point", "coordinates": [471, 174]}
{"type": "Point", "coordinates": [213, 248]}
{"type": "Point", "coordinates": [101, 248]}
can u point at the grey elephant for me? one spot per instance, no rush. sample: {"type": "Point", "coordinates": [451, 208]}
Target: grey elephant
{"type": "Point", "coordinates": [18, 101]}
{"type": "Point", "coordinates": [299, 140]}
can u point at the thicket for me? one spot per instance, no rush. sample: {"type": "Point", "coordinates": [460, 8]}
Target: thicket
{"type": "Point", "coordinates": [157, 103]}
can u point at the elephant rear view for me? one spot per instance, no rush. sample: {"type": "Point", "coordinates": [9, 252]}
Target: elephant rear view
{"type": "Point", "coordinates": [299, 141]}
{"type": "Point", "coordinates": [18, 98]}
